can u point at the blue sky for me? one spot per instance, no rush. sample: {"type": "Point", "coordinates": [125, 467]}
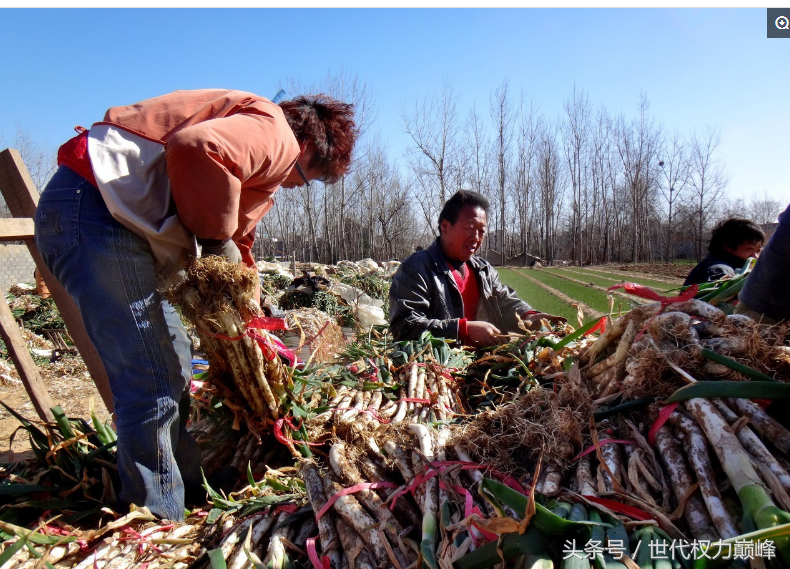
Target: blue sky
{"type": "Point", "coordinates": [698, 67]}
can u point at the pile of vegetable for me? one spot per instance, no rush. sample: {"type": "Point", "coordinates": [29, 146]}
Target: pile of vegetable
{"type": "Point", "coordinates": [217, 297]}
{"type": "Point", "coordinates": [35, 313]}
{"type": "Point", "coordinates": [641, 448]}
{"type": "Point", "coordinates": [314, 289]}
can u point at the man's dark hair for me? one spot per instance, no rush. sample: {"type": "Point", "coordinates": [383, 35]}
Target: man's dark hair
{"type": "Point", "coordinates": [734, 231]}
{"type": "Point", "coordinates": [452, 207]}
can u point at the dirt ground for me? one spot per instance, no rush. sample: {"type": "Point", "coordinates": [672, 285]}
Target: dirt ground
{"type": "Point", "coordinates": [69, 386]}
{"type": "Point", "coordinates": [663, 269]}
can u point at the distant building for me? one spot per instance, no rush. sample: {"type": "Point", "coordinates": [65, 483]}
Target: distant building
{"type": "Point", "coordinates": [523, 260]}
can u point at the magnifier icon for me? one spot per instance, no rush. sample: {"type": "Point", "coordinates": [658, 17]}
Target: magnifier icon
{"type": "Point", "coordinates": [782, 23]}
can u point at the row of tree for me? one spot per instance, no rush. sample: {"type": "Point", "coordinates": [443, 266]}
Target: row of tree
{"type": "Point", "coordinates": [585, 185]}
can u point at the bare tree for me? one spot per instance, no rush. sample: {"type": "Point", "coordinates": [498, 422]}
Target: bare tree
{"type": "Point", "coordinates": [550, 190]}
{"type": "Point", "coordinates": [675, 169]}
{"type": "Point", "coordinates": [502, 117]}
{"type": "Point", "coordinates": [477, 172]}
{"type": "Point", "coordinates": [575, 132]}
{"type": "Point", "coordinates": [765, 210]}
{"type": "Point", "coordinates": [637, 145]}
{"type": "Point", "coordinates": [40, 160]}
{"type": "Point", "coordinates": [706, 183]}
{"type": "Point", "coordinates": [433, 127]}
{"type": "Point", "coordinates": [607, 218]}
{"type": "Point", "coordinates": [524, 186]}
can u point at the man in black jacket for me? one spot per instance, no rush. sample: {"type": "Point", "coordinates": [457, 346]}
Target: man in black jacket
{"type": "Point", "coordinates": [453, 293]}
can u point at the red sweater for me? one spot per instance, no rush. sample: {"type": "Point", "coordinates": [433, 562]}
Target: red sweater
{"type": "Point", "coordinates": [470, 293]}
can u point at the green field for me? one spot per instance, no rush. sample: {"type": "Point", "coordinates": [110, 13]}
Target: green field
{"type": "Point", "coordinates": [593, 298]}
{"type": "Point", "coordinates": [518, 278]}
{"type": "Point", "coordinates": [606, 279]}
{"type": "Point", "coordinates": [539, 298]}
{"type": "Point", "coordinates": [586, 277]}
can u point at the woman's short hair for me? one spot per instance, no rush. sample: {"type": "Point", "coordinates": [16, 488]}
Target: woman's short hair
{"type": "Point", "coordinates": [734, 231]}
{"type": "Point", "coordinates": [327, 126]}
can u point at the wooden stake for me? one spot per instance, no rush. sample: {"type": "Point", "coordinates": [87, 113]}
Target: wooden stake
{"type": "Point", "coordinates": [24, 363]}
{"type": "Point", "coordinates": [21, 197]}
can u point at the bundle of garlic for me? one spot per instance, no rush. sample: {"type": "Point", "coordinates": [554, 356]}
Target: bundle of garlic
{"type": "Point", "coordinates": [425, 393]}
{"type": "Point", "coordinates": [217, 298]}
{"type": "Point", "coordinates": [636, 352]}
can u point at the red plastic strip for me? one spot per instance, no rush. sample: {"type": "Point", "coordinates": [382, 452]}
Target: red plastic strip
{"type": "Point", "coordinates": [352, 490]}
{"type": "Point", "coordinates": [600, 444]}
{"type": "Point", "coordinates": [312, 553]}
{"type": "Point", "coordinates": [650, 294]}
{"type": "Point", "coordinates": [615, 506]}
{"type": "Point", "coordinates": [439, 466]}
{"type": "Point", "coordinates": [375, 415]}
{"type": "Point", "coordinates": [599, 327]}
{"type": "Point", "coordinates": [265, 344]}
{"type": "Point", "coordinates": [268, 323]}
{"type": "Point", "coordinates": [645, 292]}
{"type": "Point", "coordinates": [470, 509]}
{"type": "Point", "coordinates": [663, 417]}
{"type": "Point", "coordinates": [282, 439]}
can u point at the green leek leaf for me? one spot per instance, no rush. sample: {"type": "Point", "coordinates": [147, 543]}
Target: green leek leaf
{"type": "Point", "coordinates": [738, 389]}
{"type": "Point", "coordinates": [499, 494]}
{"type": "Point", "coordinates": [732, 364]}
{"type": "Point", "coordinates": [511, 544]}
{"type": "Point", "coordinates": [216, 559]}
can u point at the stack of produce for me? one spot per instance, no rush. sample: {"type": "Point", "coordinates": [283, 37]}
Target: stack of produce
{"type": "Point", "coordinates": [313, 334]}
{"type": "Point", "coordinates": [640, 354]}
{"type": "Point", "coordinates": [554, 449]}
{"type": "Point", "coordinates": [217, 298]}
{"type": "Point", "coordinates": [34, 312]}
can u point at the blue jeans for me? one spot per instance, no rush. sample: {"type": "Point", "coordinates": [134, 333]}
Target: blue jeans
{"type": "Point", "coordinates": [109, 271]}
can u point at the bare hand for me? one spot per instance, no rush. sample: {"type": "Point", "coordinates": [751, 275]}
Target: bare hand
{"type": "Point", "coordinates": [481, 334]}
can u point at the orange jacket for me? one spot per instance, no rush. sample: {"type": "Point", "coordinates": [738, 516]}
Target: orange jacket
{"type": "Point", "coordinates": [227, 153]}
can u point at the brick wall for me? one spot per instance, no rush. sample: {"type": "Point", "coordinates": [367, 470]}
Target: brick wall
{"type": "Point", "coordinates": [16, 265]}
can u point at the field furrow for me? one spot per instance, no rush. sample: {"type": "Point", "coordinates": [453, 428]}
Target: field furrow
{"type": "Point", "coordinates": [588, 310]}
{"type": "Point", "coordinates": [593, 298]}
{"type": "Point", "coordinates": [538, 296]}
{"type": "Point", "coordinates": [602, 285]}
{"type": "Point", "coordinates": [656, 283]}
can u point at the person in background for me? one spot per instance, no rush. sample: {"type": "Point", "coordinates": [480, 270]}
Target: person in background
{"type": "Point", "coordinates": [450, 291]}
{"type": "Point", "coordinates": [137, 197]}
{"type": "Point", "coordinates": [41, 287]}
{"type": "Point", "coordinates": [732, 242]}
{"type": "Point", "coordinates": [766, 295]}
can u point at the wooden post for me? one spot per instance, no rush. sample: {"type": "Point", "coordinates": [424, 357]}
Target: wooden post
{"type": "Point", "coordinates": [13, 230]}
{"type": "Point", "coordinates": [21, 197]}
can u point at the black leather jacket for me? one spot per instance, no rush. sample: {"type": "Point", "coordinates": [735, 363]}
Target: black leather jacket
{"type": "Point", "coordinates": [424, 296]}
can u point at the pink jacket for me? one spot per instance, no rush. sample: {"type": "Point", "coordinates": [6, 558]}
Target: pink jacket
{"type": "Point", "coordinates": [227, 152]}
